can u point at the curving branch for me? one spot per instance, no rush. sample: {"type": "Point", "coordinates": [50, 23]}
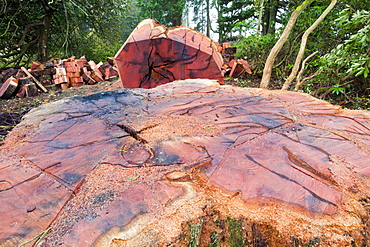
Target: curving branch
{"type": "Point", "coordinates": [279, 44]}
{"type": "Point", "coordinates": [19, 53]}
{"type": "Point", "coordinates": [303, 45]}
{"type": "Point", "coordinates": [300, 82]}
{"type": "Point", "coordinates": [25, 31]}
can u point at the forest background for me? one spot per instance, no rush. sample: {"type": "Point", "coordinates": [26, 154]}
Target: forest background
{"type": "Point", "coordinates": [334, 64]}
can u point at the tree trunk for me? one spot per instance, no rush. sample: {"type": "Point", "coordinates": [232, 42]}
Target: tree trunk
{"type": "Point", "coordinates": [272, 17]}
{"type": "Point", "coordinates": [279, 44]}
{"type": "Point", "coordinates": [221, 37]}
{"type": "Point", "coordinates": [269, 17]}
{"type": "Point", "coordinates": [154, 55]}
{"type": "Point", "coordinates": [43, 37]}
{"type": "Point", "coordinates": [208, 32]}
{"type": "Point", "coordinates": [176, 17]}
{"type": "Point", "coordinates": [260, 17]}
{"type": "Point", "coordinates": [303, 45]}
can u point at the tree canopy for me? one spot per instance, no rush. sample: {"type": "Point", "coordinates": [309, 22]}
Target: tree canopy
{"type": "Point", "coordinates": [42, 29]}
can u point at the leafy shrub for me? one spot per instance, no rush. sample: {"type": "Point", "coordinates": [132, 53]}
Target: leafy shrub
{"type": "Point", "coordinates": [352, 57]}
{"type": "Point", "coordinates": [255, 49]}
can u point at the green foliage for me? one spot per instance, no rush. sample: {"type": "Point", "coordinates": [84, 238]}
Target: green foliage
{"type": "Point", "coordinates": [168, 13]}
{"type": "Point", "coordinates": [255, 49]}
{"type": "Point", "coordinates": [230, 13]}
{"type": "Point", "coordinates": [215, 242]}
{"type": "Point", "coordinates": [91, 28]}
{"type": "Point", "coordinates": [352, 56]}
{"type": "Point", "coordinates": [236, 232]}
{"type": "Point", "coordinates": [195, 233]}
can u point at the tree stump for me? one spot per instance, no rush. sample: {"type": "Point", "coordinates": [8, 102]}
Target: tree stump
{"type": "Point", "coordinates": [187, 163]}
{"type": "Point", "coordinates": [154, 55]}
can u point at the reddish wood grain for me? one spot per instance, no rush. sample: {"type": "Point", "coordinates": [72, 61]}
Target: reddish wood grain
{"type": "Point", "coordinates": [91, 167]}
{"type": "Point", "coordinates": [154, 55]}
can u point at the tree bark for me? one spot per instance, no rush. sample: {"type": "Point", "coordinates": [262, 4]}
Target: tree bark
{"type": "Point", "coordinates": [177, 14]}
{"type": "Point", "coordinates": [208, 31]}
{"type": "Point", "coordinates": [260, 17]}
{"type": "Point", "coordinates": [299, 81]}
{"type": "Point", "coordinates": [279, 44]}
{"type": "Point", "coordinates": [303, 45]}
{"type": "Point", "coordinates": [269, 17]}
{"type": "Point", "coordinates": [272, 17]}
{"type": "Point", "coordinates": [43, 36]}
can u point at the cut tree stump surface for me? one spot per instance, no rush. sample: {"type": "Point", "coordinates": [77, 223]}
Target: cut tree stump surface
{"type": "Point", "coordinates": [154, 55]}
{"type": "Point", "coordinates": [131, 167]}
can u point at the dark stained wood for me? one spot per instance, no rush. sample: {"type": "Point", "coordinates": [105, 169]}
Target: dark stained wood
{"type": "Point", "coordinates": [155, 55]}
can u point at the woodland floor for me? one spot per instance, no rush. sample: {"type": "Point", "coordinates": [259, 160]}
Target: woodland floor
{"type": "Point", "coordinates": [12, 110]}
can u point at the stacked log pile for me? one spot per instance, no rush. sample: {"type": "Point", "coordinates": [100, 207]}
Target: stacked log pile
{"type": "Point", "coordinates": [56, 74]}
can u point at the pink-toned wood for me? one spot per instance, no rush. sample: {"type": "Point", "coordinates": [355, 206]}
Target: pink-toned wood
{"type": "Point", "coordinates": [149, 161]}
{"type": "Point", "coordinates": [246, 66]}
{"type": "Point", "coordinates": [239, 67]}
{"type": "Point", "coordinates": [155, 55]}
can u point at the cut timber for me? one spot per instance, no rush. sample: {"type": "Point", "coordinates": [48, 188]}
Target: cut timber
{"type": "Point", "coordinates": [155, 55]}
{"type": "Point", "coordinates": [138, 167]}
{"type": "Point", "coordinates": [34, 79]}
{"type": "Point", "coordinates": [239, 67]}
{"type": "Point", "coordinates": [27, 90]}
{"type": "Point", "coordinates": [8, 88]}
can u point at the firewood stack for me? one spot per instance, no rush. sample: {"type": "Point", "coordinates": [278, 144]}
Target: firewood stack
{"type": "Point", "coordinates": [56, 74]}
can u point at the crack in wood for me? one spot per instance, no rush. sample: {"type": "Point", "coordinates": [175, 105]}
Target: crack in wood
{"type": "Point", "coordinates": [292, 181]}
{"type": "Point", "coordinates": [304, 165]}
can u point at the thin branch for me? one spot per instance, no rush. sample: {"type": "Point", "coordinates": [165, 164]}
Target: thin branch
{"type": "Point", "coordinates": [28, 26]}
{"type": "Point", "coordinates": [308, 78]}
{"type": "Point", "coordinates": [299, 82]}
{"type": "Point", "coordinates": [21, 53]}
{"type": "Point", "coordinates": [303, 45]}
{"type": "Point", "coordinates": [67, 28]}
{"type": "Point", "coordinates": [14, 17]}
{"type": "Point", "coordinates": [79, 8]}
{"type": "Point", "coordinates": [3, 7]}
{"type": "Point", "coordinates": [279, 44]}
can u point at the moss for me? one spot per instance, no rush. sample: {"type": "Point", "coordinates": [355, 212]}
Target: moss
{"type": "Point", "coordinates": [195, 233]}
{"type": "Point", "coordinates": [236, 232]}
{"type": "Point", "coordinates": [215, 241]}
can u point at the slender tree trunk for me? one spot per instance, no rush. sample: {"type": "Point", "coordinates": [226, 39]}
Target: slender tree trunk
{"type": "Point", "coordinates": [221, 37]}
{"type": "Point", "coordinates": [176, 17]}
{"type": "Point", "coordinates": [279, 44]}
{"type": "Point", "coordinates": [43, 37]}
{"type": "Point", "coordinates": [208, 32]}
{"type": "Point", "coordinates": [298, 60]}
{"type": "Point", "coordinates": [260, 17]}
{"type": "Point", "coordinates": [265, 19]}
{"type": "Point", "coordinates": [272, 17]}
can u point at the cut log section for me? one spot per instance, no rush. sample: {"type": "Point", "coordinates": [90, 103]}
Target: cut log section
{"type": "Point", "coordinates": [155, 55]}
{"type": "Point", "coordinates": [8, 88]}
{"type": "Point", "coordinates": [239, 67]}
